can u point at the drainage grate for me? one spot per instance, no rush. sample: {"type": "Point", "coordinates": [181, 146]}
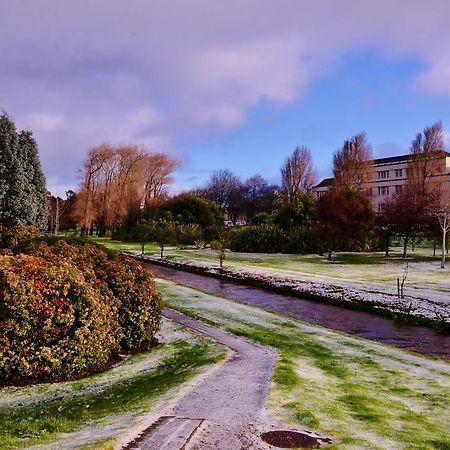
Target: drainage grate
{"type": "Point", "coordinates": [292, 439]}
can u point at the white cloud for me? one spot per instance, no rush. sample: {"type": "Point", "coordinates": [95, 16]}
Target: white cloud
{"type": "Point", "coordinates": [47, 122]}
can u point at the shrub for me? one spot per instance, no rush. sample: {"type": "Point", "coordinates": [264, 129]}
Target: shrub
{"type": "Point", "coordinates": [53, 324]}
{"type": "Point", "coordinates": [11, 237]}
{"type": "Point", "coordinates": [188, 234]}
{"type": "Point", "coordinates": [271, 239]}
{"type": "Point", "coordinates": [77, 304]}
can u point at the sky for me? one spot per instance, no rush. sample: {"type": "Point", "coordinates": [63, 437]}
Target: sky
{"type": "Point", "coordinates": [234, 84]}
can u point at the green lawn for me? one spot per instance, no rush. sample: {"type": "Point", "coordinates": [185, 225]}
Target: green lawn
{"type": "Point", "coordinates": [364, 394]}
{"type": "Point", "coordinates": [371, 271]}
{"type": "Point", "coordinates": [96, 411]}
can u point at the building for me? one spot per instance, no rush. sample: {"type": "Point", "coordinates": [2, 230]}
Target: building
{"type": "Point", "coordinates": [390, 174]}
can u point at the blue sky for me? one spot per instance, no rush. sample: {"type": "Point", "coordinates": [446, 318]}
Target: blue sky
{"type": "Point", "coordinates": [365, 92]}
{"type": "Point", "coordinates": [225, 84]}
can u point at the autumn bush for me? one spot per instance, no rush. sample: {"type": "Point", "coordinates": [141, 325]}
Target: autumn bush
{"type": "Point", "coordinates": [68, 308]}
{"type": "Point", "coordinates": [13, 236]}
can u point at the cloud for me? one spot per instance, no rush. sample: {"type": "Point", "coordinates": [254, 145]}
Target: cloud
{"type": "Point", "coordinates": [80, 72]}
{"type": "Point", "coordinates": [47, 122]}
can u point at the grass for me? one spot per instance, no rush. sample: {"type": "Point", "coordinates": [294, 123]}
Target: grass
{"type": "Point", "coordinates": [367, 271]}
{"type": "Point", "coordinates": [95, 411]}
{"type": "Point", "coordinates": [364, 394]}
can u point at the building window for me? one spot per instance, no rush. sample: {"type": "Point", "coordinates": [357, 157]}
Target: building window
{"type": "Point", "coordinates": [398, 188]}
{"type": "Point", "coordinates": [383, 190]}
{"type": "Point", "coordinates": [398, 173]}
{"type": "Point", "coordinates": [383, 174]}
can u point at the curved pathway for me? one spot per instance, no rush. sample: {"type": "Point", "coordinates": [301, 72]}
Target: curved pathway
{"type": "Point", "coordinates": [226, 409]}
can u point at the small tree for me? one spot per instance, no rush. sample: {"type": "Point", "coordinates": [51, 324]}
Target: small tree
{"type": "Point", "coordinates": [344, 217]}
{"type": "Point", "coordinates": [220, 245]}
{"type": "Point", "coordinates": [145, 232]}
{"type": "Point", "coordinates": [408, 213]}
{"type": "Point", "coordinates": [443, 216]}
{"type": "Point", "coordinates": [165, 234]}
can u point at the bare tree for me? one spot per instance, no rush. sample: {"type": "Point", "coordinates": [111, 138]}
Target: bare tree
{"type": "Point", "coordinates": [352, 164]}
{"type": "Point", "coordinates": [443, 216]}
{"type": "Point", "coordinates": [119, 183]}
{"type": "Point", "coordinates": [158, 169]}
{"type": "Point", "coordinates": [221, 188]}
{"type": "Point", "coordinates": [297, 173]}
{"type": "Point", "coordinates": [427, 160]}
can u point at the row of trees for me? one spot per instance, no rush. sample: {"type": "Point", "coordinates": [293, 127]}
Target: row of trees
{"type": "Point", "coordinates": [120, 185]}
{"type": "Point", "coordinates": [23, 194]}
{"type": "Point", "coordinates": [126, 186]}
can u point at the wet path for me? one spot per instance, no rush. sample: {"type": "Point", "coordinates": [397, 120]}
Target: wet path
{"type": "Point", "coordinates": [416, 338]}
{"type": "Point", "coordinates": [226, 409]}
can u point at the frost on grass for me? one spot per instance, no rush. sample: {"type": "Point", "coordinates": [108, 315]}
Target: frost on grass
{"type": "Point", "coordinates": [421, 308]}
{"type": "Point", "coordinates": [363, 394]}
{"type": "Point", "coordinates": [115, 411]}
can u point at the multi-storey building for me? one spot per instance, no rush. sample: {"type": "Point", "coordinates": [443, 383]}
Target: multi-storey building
{"type": "Point", "coordinates": [390, 174]}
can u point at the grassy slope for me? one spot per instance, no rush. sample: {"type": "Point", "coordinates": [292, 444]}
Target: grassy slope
{"type": "Point", "coordinates": [360, 270]}
{"type": "Point", "coordinates": [95, 411]}
{"type": "Point", "coordinates": [364, 394]}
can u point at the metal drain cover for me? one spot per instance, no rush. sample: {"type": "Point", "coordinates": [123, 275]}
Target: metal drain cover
{"type": "Point", "coordinates": [290, 439]}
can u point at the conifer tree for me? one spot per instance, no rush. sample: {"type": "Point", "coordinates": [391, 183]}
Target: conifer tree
{"type": "Point", "coordinates": [22, 184]}
{"type": "Point", "coordinates": [37, 204]}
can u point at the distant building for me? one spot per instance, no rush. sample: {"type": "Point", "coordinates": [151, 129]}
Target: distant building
{"type": "Point", "coordinates": [390, 174]}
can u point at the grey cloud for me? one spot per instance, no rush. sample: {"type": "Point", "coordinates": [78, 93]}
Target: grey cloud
{"type": "Point", "coordinates": [82, 71]}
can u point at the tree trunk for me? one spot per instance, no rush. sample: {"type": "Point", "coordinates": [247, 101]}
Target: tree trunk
{"type": "Point", "coordinates": [434, 248]}
{"type": "Point", "coordinates": [405, 245]}
{"type": "Point", "coordinates": [329, 255]}
{"type": "Point", "coordinates": [444, 232]}
{"type": "Point", "coordinates": [386, 253]}
{"type": "Point", "coordinates": [57, 217]}
{"type": "Point", "coordinates": [162, 250]}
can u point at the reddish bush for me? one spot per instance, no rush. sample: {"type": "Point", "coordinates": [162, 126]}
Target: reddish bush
{"type": "Point", "coordinates": [52, 323]}
{"type": "Point", "coordinates": [66, 309]}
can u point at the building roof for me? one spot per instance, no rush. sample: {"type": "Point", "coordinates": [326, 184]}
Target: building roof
{"type": "Point", "coordinates": [401, 158]}
{"type": "Point", "coordinates": [392, 159]}
{"type": "Point", "coordinates": [325, 182]}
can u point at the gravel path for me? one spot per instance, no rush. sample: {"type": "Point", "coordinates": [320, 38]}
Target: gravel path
{"type": "Point", "coordinates": [226, 409]}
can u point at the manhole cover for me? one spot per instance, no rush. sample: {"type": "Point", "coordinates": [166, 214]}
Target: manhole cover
{"type": "Point", "coordinates": [290, 439]}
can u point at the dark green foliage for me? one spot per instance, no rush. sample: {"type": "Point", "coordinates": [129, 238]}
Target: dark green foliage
{"type": "Point", "coordinates": [188, 234]}
{"type": "Point", "coordinates": [297, 213]}
{"type": "Point", "coordinates": [262, 219]}
{"type": "Point", "coordinates": [190, 209]}
{"type": "Point", "coordinates": [23, 198]}
{"type": "Point", "coordinates": [165, 234]}
{"type": "Point", "coordinates": [271, 239]}
{"type": "Point", "coordinates": [36, 191]}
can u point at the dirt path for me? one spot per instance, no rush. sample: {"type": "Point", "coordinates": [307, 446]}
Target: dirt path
{"type": "Point", "coordinates": [226, 409]}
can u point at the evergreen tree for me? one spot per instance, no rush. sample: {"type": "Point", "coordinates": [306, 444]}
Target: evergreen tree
{"type": "Point", "coordinates": [37, 204]}
{"type": "Point", "coordinates": [22, 183]}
